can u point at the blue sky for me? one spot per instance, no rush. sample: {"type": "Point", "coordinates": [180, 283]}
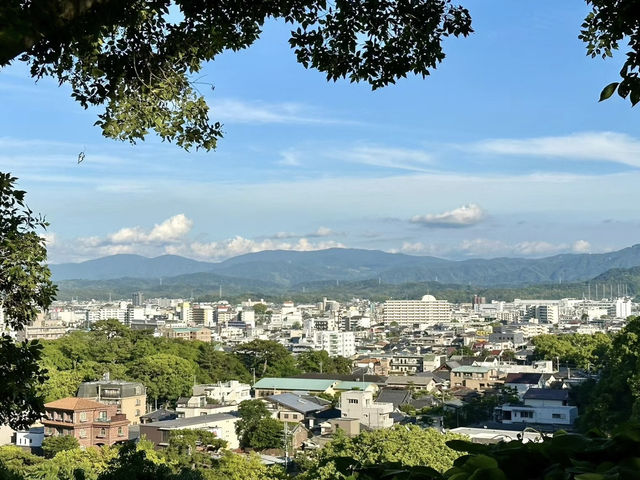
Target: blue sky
{"type": "Point", "coordinates": [502, 151]}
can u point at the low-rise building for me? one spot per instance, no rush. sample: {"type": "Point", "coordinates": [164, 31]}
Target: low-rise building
{"type": "Point", "coordinates": [361, 405]}
{"type": "Point", "coordinates": [231, 392]}
{"type": "Point", "coordinates": [542, 406]}
{"type": "Point", "coordinates": [130, 398]}
{"type": "Point", "coordinates": [474, 377]}
{"type": "Point", "coordinates": [222, 425]}
{"type": "Point", "coordinates": [90, 422]}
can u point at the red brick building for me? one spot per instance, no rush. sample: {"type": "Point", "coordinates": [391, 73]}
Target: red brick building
{"type": "Point", "coordinates": [92, 423]}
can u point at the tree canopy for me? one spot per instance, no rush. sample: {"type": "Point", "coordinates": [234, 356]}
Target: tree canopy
{"type": "Point", "coordinates": [25, 289]}
{"type": "Point", "coordinates": [138, 58]}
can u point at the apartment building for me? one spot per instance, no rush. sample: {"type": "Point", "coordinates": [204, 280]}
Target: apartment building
{"type": "Point", "coordinates": [474, 377]}
{"type": "Point", "coordinates": [90, 422]}
{"type": "Point", "coordinates": [130, 398]}
{"type": "Point", "coordinates": [407, 313]}
{"type": "Point", "coordinates": [361, 405]}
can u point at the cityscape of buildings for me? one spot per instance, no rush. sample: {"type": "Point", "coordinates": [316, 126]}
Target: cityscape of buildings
{"type": "Point", "coordinates": [404, 355]}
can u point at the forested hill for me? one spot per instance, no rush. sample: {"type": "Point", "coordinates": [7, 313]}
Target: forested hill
{"type": "Point", "coordinates": [287, 269]}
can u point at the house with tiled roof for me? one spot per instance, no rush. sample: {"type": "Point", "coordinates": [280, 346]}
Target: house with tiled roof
{"type": "Point", "coordinates": [91, 423]}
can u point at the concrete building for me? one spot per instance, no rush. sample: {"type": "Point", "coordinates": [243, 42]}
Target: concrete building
{"type": "Point", "coordinates": [137, 299]}
{"type": "Point", "coordinates": [130, 398]}
{"type": "Point", "coordinates": [231, 392]}
{"type": "Point", "coordinates": [202, 334]}
{"type": "Point", "coordinates": [407, 313]}
{"type": "Point", "coordinates": [335, 343]}
{"type": "Point", "coordinates": [474, 377]}
{"type": "Point", "coordinates": [203, 315]}
{"type": "Point", "coordinates": [360, 405]}
{"type": "Point", "coordinates": [91, 423]}
{"type": "Point", "coordinates": [222, 425]}
{"type": "Point", "coordinates": [541, 406]}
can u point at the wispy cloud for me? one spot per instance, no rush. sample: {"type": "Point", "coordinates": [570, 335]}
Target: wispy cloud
{"type": "Point", "coordinates": [240, 111]}
{"type": "Point", "coordinates": [464, 216]}
{"type": "Point", "coordinates": [378, 156]}
{"type": "Point", "coordinates": [486, 247]}
{"type": "Point", "coordinates": [320, 232]}
{"type": "Point", "coordinates": [592, 146]}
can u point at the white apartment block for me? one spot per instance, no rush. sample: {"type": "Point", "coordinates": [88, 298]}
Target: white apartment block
{"type": "Point", "coordinates": [361, 406]}
{"type": "Point", "coordinates": [231, 392]}
{"type": "Point", "coordinates": [335, 343]}
{"type": "Point", "coordinates": [427, 311]}
{"type": "Point", "coordinates": [203, 315]}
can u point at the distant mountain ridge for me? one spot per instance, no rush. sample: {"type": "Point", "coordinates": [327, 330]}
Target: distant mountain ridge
{"type": "Point", "coordinates": [288, 268]}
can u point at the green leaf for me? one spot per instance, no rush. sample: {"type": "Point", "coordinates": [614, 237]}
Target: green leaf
{"type": "Point", "coordinates": [608, 91]}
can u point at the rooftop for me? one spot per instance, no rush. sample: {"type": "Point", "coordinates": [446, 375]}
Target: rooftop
{"type": "Point", "coordinates": [74, 403]}
{"type": "Point", "coordinates": [191, 421]}
{"type": "Point", "coordinates": [470, 369]}
{"type": "Point", "coordinates": [300, 384]}
{"type": "Point", "coordinates": [299, 403]}
{"type": "Point", "coordinates": [546, 394]}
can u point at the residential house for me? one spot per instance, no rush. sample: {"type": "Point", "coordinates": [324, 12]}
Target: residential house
{"type": "Point", "coordinates": [231, 392]}
{"type": "Point", "coordinates": [412, 382]}
{"type": "Point", "coordinates": [541, 406]}
{"type": "Point", "coordinates": [522, 382]}
{"type": "Point", "coordinates": [296, 408]}
{"type": "Point", "coordinates": [91, 422]}
{"type": "Point", "coordinates": [360, 405]}
{"type": "Point", "coordinates": [197, 405]}
{"type": "Point", "coordinates": [130, 398]}
{"type": "Point", "coordinates": [222, 425]}
{"type": "Point", "coordinates": [474, 377]}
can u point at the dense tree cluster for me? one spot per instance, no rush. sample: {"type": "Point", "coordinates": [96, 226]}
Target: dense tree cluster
{"type": "Point", "coordinates": [576, 350]}
{"type": "Point", "coordinates": [167, 367]}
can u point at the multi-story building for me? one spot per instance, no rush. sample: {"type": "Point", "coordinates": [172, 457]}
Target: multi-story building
{"type": "Point", "coordinates": [202, 334]}
{"type": "Point", "coordinates": [407, 313]}
{"type": "Point", "coordinates": [475, 378]}
{"type": "Point", "coordinates": [231, 392]}
{"type": "Point", "coordinates": [203, 315]}
{"type": "Point", "coordinates": [90, 422]}
{"type": "Point", "coordinates": [222, 425]}
{"type": "Point", "coordinates": [130, 398]}
{"type": "Point", "coordinates": [41, 329]}
{"type": "Point", "coordinates": [541, 406]}
{"type": "Point", "coordinates": [360, 405]}
{"type": "Point", "coordinates": [137, 299]}
{"type": "Point", "coordinates": [336, 343]}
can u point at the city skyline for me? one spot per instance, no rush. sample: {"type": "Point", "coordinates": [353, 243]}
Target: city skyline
{"type": "Point", "coordinates": [502, 151]}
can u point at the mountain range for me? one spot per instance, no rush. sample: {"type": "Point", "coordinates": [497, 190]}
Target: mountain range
{"type": "Point", "coordinates": [279, 268]}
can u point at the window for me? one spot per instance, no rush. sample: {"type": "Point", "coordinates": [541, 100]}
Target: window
{"type": "Point", "coordinates": [83, 433]}
{"type": "Point", "coordinates": [137, 412]}
{"type": "Point", "coordinates": [558, 415]}
{"type": "Point", "coordinates": [138, 402]}
{"type": "Point", "coordinates": [103, 432]}
{"type": "Point", "coordinates": [120, 432]}
{"type": "Point", "coordinates": [83, 416]}
{"type": "Point", "coordinates": [285, 415]}
{"type": "Point", "coordinates": [353, 400]}
{"type": "Point", "coordinates": [525, 414]}
{"type": "Point", "coordinates": [103, 416]}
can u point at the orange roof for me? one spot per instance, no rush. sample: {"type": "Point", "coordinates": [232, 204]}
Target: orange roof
{"type": "Point", "coordinates": [74, 403]}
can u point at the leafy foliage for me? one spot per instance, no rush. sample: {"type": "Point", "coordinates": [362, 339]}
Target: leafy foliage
{"type": "Point", "coordinates": [138, 60]}
{"type": "Point", "coordinates": [266, 358]}
{"type": "Point", "coordinates": [609, 23]}
{"type": "Point", "coordinates": [577, 350]}
{"type": "Point", "coordinates": [320, 361]}
{"type": "Point", "coordinates": [402, 446]}
{"type": "Point", "coordinates": [165, 376]}
{"type": "Point", "coordinates": [52, 445]}
{"type": "Point", "coordinates": [25, 287]}
{"type": "Point", "coordinates": [615, 399]}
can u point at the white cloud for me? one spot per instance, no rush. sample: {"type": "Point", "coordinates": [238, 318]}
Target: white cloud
{"type": "Point", "coordinates": [581, 246]}
{"type": "Point", "coordinates": [464, 216]}
{"type": "Point", "coordinates": [593, 146]}
{"type": "Point", "coordinates": [171, 230]}
{"type": "Point", "coordinates": [400, 158]}
{"type": "Point", "coordinates": [320, 232]}
{"type": "Point", "coordinates": [289, 158]}
{"type": "Point", "coordinates": [238, 111]}
{"type": "Point", "coordinates": [239, 245]}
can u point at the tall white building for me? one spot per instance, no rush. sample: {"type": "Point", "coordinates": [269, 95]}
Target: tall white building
{"type": "Point", "coordinates": [203, 315]}
{"type": "Point", "coordinates": [335, 343]}
{"type": "Point", "coordinates": [428, 311]}
{"type": "Point", "coordinates": [623, 307]}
